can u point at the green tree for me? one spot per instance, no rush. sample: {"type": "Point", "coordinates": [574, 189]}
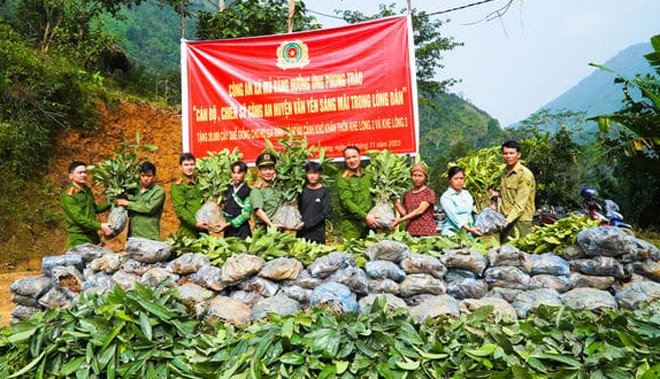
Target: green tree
{"type": "Point", "coordinates": [430, 44]}
{"type": "Point", "coordinates": [253, 18]}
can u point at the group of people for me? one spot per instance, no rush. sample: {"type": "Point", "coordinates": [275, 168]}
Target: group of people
{"type": "Point", "coordinates": [262, 200]}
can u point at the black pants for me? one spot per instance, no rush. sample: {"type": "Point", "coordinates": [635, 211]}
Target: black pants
{"type": "Point", "coordinates": [241, 232]}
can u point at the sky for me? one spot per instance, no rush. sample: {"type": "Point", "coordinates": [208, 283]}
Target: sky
{"type": "Point", "coordinates": [513, 65]}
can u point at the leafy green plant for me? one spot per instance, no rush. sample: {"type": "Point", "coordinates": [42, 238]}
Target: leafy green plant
{"type": "Point", "coordinates": [150, 334]}
{"type": "Point", "coordinates": [120, 174]}
{"type": "Point", "coordinates": [553, 238]}
{"type": "Point", "coordinates": [294, 153]}
{"type": "Point", "coordinates": [483, 170]}
{"type": "Point", "coordinates": [214, 174]}
{"type": "Point", "coordinates": [390, 174]}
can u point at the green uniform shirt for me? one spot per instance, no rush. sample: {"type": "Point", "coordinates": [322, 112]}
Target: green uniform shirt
{"type": "Point", "coordinates": [356, 201]}
{"type": "Point", "coordinates": [267, 197]}
{"type": "Point", "coordinates": [80, 211]}
{"type": "Point", "coordinates": [186, 201]}
{"type": "Point", "coordinates": [518, 188]}
{"type": "Point", "coordinates": [145, 209]}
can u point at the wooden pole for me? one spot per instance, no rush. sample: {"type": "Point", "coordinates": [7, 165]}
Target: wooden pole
{"type": "Point", "coordinates": [292, 11]}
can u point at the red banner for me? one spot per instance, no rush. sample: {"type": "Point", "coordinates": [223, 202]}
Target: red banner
{"type": "Point", "coordinates": [352, 85]}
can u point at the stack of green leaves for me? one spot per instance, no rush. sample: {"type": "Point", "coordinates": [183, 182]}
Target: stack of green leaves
{"type": "Point", "coordinates": [267, 244]}
{"type": "Point", "coordinates": [555, 237]}
{"type": "Point", "coordinates": [483, 170]}
{"type": "Point", "coordinates": [120, 174]}
{"type": "Point", "coordinates": [213, 174]}
{"type": "Point", "coordinates": [145, 334]}
{"type": "Point", "coordinates": [390, 174]}
{"type": "Point", "coordinates": [295, 152]}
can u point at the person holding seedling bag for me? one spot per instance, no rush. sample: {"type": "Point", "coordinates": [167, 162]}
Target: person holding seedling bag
{"type": "Point", "coordinates": [417, 208]}
{"type": "Point", "coordinates": [237, 204]}
{"type": "Point", "coordinates": [265, 198]}
{"type": "Point", "coordinates": [145, 207]}
{"type": "Point", "coordinates": [314, 205]}
{"type": "Point", "coordinates": [80, 209]}
{"type": "Point", "coordinates": [355, 197]}
{"type": "Point", "coordinates": [186, 198]}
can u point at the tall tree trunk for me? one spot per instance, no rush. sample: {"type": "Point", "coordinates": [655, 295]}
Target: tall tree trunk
{"type": "Point", "coordinates": [182, 9]}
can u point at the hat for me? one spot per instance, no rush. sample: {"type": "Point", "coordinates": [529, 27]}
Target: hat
{"type": "Point", "coordinates": [266, 159]}
{"type": "Point", "coordinates": [419, 167]}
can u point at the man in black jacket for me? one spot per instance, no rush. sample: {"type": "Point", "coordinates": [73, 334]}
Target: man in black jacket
{"type": "Point", "coordinates": [314, 204]}
{"type": "Point", "coordinates": [237, 203]}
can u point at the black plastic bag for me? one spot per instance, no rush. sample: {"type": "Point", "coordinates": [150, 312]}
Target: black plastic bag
{"type": "Point", "coordinates": [324, 266]}
{"type": "Point", "coordinates": [423, 264]}
{"type": "Point", "coordinates": [387, 250]}
{"type": "Point", "coordinates": [600, 266]}
{"type": "Point", "coordinates": [384, 270]}
{"type": "Point", "coordinates": [465, 259]}
{"type": "Point", "coordinates": [507, 277]}
{"type": "Point", "coordinates": [467, 289]}
{"type": "Point", "coordinates": [489, 221]}
{"type": "Point", "coordinates": [282, 305]}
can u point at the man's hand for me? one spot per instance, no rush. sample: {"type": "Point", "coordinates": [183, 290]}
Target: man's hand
{"type": "Point", "coordinates": [372, 221]}
{"type": "Point", "coordinates": [476, 231]}
{"type": "Point", "coordinates": [105, 228]}
{"type": "Point", "coordinates": [202, 226]}
{"type": "Point", "coordinates": [122, 202]}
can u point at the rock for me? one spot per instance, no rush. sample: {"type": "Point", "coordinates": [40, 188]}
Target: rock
{"type": "Point", "coordinates": [281, 269]}
{"type": "Point", "coordinates": [436, 306]}
{"type": "Point", "coordinates": [241, 266]}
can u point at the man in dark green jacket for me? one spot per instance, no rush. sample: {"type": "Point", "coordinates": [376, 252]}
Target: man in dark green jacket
{"type": "Point", "coordinates": [265, 198]}
{"type": "Point", "coordinates": [186, 198]}
{"type": "Point", "coordinates": [146, 206]}
{"type": "Point", "coordinates": [355, 197]}
{"type": "Point", "coordinates": [80, 209]}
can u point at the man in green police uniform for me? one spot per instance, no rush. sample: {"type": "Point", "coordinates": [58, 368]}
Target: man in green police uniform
{"type": "Point", "coordinates": [517, 191]}
{"type": "Point", "coordinates": [186, 198]}
{"type": "Point", "coordinates": [265, 198]}
{"type": "Point", "coordinates": [80, 209]}
{"type": "Point", "coordinates": [146, 206]}
{"type": "Point", "coordinates": [355, 197]}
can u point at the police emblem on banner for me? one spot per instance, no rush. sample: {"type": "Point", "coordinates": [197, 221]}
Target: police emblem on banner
{"type": "Point", "coordinates": [292, 54]}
